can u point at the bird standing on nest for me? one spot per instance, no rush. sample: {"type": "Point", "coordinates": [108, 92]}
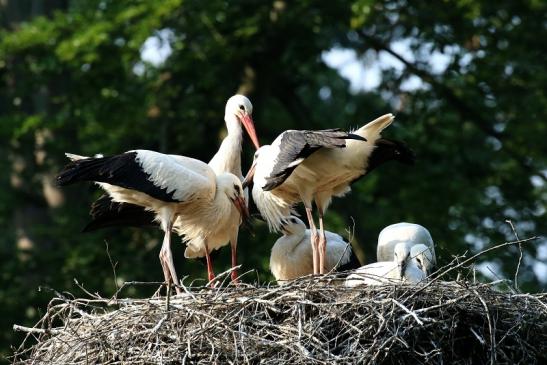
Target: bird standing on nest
{"type": "Point", "coordinates": [314, 166]}
{"type": "Point", "coordinates": [174, 188]}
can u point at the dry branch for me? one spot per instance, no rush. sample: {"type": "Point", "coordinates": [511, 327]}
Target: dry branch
{"type": "Point", "coordinates": [309, 321]}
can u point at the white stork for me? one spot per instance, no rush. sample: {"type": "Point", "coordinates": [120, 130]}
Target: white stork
{"type": "Point", "coordinates": [403, 269]}
{"type": "Point", "coordinates": [173, 187]}
{"type": "Point", "coordinates": [314, 166]}
{"type": "Point", "coordinates": [238, 112]}
{"type": "Point", "coordinates": [291, 255]}
{"type": "Point", "coordinates": [410, 234]}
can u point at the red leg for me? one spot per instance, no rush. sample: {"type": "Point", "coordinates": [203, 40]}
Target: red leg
{"type": "Point", "coordinates": [314, 241]}
{"type": "Point", "coordinates": [322, 245]}
{"type": "Point", "coordinates": [233, 246]}
{"type": "Point", "coordinates": [168, 256]}
{"type": "Point", "coordinates": [210, 273]}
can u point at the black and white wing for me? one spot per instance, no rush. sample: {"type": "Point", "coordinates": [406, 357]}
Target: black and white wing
{"type": "Point", "coordinates": [292, 147]}
{"type": "Point", "coordinates": [162, 177]}
{"type": "Point", "coordinates": [106, 213]}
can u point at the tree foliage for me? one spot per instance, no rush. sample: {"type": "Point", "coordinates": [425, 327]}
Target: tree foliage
{"type": "Point", "coordinates": [73, 79]}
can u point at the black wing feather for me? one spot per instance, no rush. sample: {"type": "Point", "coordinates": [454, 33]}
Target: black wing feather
{"type": "Point", "coordinates": [121, 170]}
{"type": "Point", "coordinates": [107, 213]}
{"type": "Point", "coordinates": [298, 145]}
{"type": "Point", "coordinates": [386, 150]}
{"type": "Point", "coordinates": [389, 149]}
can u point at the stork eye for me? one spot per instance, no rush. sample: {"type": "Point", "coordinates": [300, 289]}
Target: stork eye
{"type": "Point", "coordinates": [236, 187]}
{"type": "Point", "coordinates": [241, 107]}
{"type": "Point", "coordinates": [293, 220]}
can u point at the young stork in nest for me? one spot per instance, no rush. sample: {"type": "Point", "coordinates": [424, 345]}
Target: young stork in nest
{"type": "Point", "coordinates": [314, 166]}
{"type": "Point", "coordinates": [410, 235]}
{"type": "Point", "coordinates": [403, 269]}
{"type": "Point", "coordinates": [291, 255]}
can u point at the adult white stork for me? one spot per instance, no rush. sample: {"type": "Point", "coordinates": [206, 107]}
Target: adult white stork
{"type": "Point", "coordinates": [291, 255]}
{"type": "Point", "coordinates": [314, 166]}
{"type": "Point", "coordinates": [410, 234]}
{"type": "Point", "coordinates": [238, 113]}
{"type": "Point", "coordinates": [403, 269]}
{"type": "Point", "coordinates": [173, 187]}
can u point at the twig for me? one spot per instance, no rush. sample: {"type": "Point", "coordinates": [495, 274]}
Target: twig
{"type": "Point", "coordinates": [113, 270]}
{"type": "Point", "coordinates": [520, 250]}
{"type": "Point", "coordinates": [19, 328]}
{"type": "Point", "coordinates": [472, 258]}
{"type": "Point", "coordinates": [411, 313]}
{"type": "Point", "coordinates": [490, 328]}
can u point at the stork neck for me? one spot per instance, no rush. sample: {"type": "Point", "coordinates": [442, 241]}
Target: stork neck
{"type": "Point", "coordinates": [271, 207]}
{"type": "Point", "coordinates": [233, 125]}
{"type": "Point", "coordinates": [228, 157]}
{"type": "Point", "coordinates": [287, 244]}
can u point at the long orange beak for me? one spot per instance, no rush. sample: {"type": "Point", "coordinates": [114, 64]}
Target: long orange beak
{"type": "Point", "coordinates": [249, 125]}
{"type": "Point", "coordinates": [241, 206]}
{"type": "Point", "coordinates": [250, 174]}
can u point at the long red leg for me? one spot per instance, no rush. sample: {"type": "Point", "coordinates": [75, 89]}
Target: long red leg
{"type": "Point", "coordinates": [314, 241]}
{"type": "Point", "coordinates": [165, 268]}
{"type": "Point", "coordinates": [322, 245]}
{"type": "Point", "coordinates": [233, 246]}
{"type": "Point", "coordinates": [168, 256]}
{"type": "Point", "coordinates": [210, 273]}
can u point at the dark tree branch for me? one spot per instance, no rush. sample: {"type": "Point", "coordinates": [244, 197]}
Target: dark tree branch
{"type": "Point", "coordinates": [463, 108]}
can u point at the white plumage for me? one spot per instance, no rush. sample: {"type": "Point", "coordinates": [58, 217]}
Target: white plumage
{"type": "Point", "coordinates": [291, 255]}
{"type": "Point", "coordinates": [170, 186]}
{"type": "Point", "coordinates": [403, 269]}
{"type": "Point", "coordinates": [238, 112]}
{"type": "Point", "coordinates": [410, 234]}
{"type": "Point", "coordinates": [297, 168]}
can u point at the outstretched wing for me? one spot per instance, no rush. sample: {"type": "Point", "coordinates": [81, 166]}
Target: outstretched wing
{"type": "Point", "coordinates": [162, 177]}
{"type": "Point", "coordinates": [292, 147]}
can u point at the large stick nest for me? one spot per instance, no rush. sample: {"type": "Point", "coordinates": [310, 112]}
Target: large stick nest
{"type": "Point", "coordinates": [305, 322]}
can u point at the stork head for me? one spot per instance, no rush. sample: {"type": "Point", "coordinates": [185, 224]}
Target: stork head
{"type": "Point", "coordinates": [239, 108]}
{"type": "Point", "coordinates": [230, 185]}
{"type": "Point", "coordinates": [292, 225]}
{"type": "Point", "coordinates": [423, 257]}
{"type": "Point", "coordinates": [251, 173]}
{"type": "Point", "coordinates": [401, 254]}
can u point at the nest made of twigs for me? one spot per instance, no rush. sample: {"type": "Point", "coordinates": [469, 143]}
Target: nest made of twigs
{"type": "Point", "coordinates": [308, 321]}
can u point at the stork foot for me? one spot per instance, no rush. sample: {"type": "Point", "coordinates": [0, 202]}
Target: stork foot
{"type": "Point", "coordinates": [235, 278]}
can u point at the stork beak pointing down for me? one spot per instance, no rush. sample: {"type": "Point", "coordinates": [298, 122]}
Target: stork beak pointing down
{"type": "Point", "coordinates": [402, 269]}
{"type": "Point", "coordinates": [247, 181]}
{"type": "Point", "coordinates": [248, 123]}
{"type": "Point", "coordinates": [241, 206]}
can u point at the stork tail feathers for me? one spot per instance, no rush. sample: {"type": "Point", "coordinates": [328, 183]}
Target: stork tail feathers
{"type": "Point", "coordinates": [376, 126]}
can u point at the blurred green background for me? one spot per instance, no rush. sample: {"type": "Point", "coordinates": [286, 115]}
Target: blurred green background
{"type": "Point", "coordinates": [466, 80]}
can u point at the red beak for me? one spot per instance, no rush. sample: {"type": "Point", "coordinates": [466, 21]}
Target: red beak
{"type": "Point", "coordinates": [250, 174]}
{"type": "Point", "coordinates": [241, 206]}
{"type": "Point", "coordinates": [249, 125]}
